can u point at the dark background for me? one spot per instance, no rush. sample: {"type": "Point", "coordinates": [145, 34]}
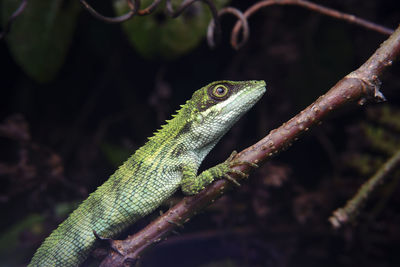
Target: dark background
{"type": "Point", "coordinates": [72, 132]}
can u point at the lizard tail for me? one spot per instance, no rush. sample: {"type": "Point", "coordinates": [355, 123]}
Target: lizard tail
{"type": "Point", "coordinates": [68, 245]}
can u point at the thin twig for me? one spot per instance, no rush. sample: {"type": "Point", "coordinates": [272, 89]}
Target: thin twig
{"type": "Point", "coordinates": [16, 13]}
{"type": "Point", "coordinates": [214, 28]}
{"type": "Point", "coordinates": [349, 212]}
{"type": "Point", "coordinates": [312, 6]}
{"type": "Point", "coordinates": [148, 10]}
{"type": "Point", "coordinates": [353, 88]}
{"type": "Point", "coordinates": [133, 5]}
{"type": "Point", "coordinates": [240, 16]}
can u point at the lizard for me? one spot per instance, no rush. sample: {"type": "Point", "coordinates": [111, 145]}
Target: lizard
{"type": "Point", "coordinates": [169, 160]}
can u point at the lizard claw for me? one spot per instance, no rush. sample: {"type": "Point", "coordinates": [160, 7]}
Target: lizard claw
{"type": "Point", "coordinates": [231, 179]}
{"type": "Point", "coordinates": [233, 163]}
{"type": "Point", "coordinates": [248, 163]}
{"type": "Point", "coordinates": [232, 155]}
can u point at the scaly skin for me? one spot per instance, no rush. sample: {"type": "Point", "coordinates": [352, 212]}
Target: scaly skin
{"type": "Point", "coordinates": [169, 160]}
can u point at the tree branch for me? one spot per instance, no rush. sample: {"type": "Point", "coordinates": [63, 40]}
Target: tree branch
{"type": "Point", "coordinates": [356, 87]}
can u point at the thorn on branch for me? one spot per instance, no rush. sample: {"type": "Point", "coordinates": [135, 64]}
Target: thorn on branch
{"type": "Point", "coordinates": [371, 86]}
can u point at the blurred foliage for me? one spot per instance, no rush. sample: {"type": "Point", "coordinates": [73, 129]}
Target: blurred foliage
{"type": "Point", "coordinates": [378, 140]}
{"type": "Point", "coordinates": [33, 226]}
{"type": "Point", "coordinates": [39, 40]}
{"type": "Point", "coordinates": [10, 238]}
{"type": "Point", "coordinates": [158, 35]}
{"type": "Point", "coordinates": [40, 37]}
{"type": "Point", "coordinates": [381, 133]}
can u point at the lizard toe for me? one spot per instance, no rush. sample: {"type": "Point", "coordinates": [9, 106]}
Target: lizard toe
{"type": "Point", "coordinates": [231, 179]}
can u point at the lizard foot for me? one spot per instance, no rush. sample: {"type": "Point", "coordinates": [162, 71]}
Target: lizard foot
{"type": "Point", "coordinates": [231, 163]}
{"type": "Point", "coordinates": [231, 179]}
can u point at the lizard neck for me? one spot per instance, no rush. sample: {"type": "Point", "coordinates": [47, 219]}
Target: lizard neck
{"type": "Point", "coordinates": [180, 135]}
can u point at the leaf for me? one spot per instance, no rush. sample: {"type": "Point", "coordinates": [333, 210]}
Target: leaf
{"type": "Point", "coordinates": [158, 35]}
{"type": "Point", "coordinates": [17, 240]}
{"type": "Point", "coordinates": [12, 250]}
{"type": "Point", "coordinates": [39, 38]}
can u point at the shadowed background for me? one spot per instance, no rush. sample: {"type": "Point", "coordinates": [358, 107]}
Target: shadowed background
{"type": "Point", "coordinates": [66, 124]}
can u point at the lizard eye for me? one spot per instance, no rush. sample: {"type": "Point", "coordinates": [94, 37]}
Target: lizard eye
{"type": "Point", "coordinates": [220, 91]}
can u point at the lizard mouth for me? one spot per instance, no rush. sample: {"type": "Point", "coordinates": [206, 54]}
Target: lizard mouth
{"type": "Point", "coordinates": [253, 93]}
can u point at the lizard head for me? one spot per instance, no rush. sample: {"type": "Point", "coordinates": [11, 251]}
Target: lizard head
{"type": "Point", "coordinates": [214, 108]}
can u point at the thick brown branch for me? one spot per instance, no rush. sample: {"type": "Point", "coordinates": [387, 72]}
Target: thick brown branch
{"type": "Point", "coordinates": [355, 87]}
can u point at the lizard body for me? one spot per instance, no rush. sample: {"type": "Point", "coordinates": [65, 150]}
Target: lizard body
{"type": "Point", "coordinates": [169, 160]}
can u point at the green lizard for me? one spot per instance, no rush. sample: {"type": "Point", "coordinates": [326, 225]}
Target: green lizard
{"type": "Point", "coordinates": [169, 160]}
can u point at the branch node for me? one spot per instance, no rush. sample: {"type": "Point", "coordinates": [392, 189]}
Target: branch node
{"type": "Point", "coordinates": [370, 86]}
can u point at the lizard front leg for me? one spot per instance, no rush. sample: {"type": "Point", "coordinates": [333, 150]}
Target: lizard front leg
{"type": "Point", "coordinates": [192, 184]}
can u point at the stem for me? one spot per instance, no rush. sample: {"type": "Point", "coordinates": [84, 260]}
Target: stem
{"type": "Point", "coordinates": [349, 212]}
